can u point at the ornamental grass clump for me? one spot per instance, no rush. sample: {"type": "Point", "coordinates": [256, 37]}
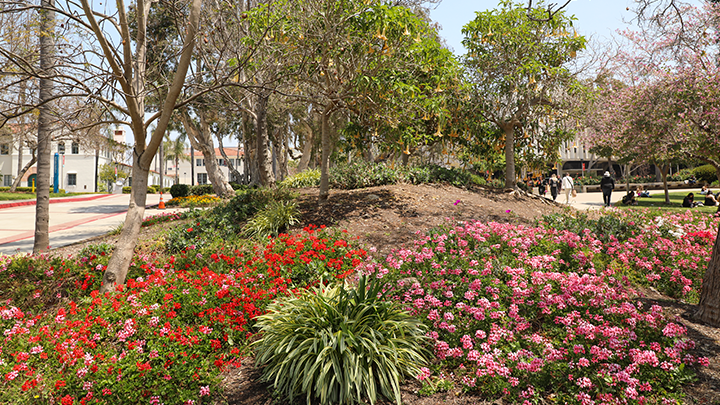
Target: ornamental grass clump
{"type": "Point", "coordinates": [273, 219]}
{"type": "Point", "coordinates": [339, 346]}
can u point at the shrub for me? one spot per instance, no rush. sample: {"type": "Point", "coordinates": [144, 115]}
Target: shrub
{"type": "Point", "coordinates": [307, 178]}
{"type": "Point", "coordinates": [705, 173]}
{"type": "Point", "coordinates": [339, 346]}
{"type": "Point", "coordinates": [151, 190]}
{"type": "Point", "coordinates": [179, 190]}
{"type": "Point", "coordinates": [361, 175]}
{"type": "Point", "coordinates": [681, 175]}
{"type": "Point", "coordinates": [222, 221]}
{"type": "Point", "coordinates": [272, 220]}
{"type": "Point", "coordinates": [126, 190]}
{"type": "Point", "coordinates": [202, 189]}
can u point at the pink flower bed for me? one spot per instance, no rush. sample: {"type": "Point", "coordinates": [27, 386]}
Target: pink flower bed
{"type": "Point", "coordinates": [531, 312]}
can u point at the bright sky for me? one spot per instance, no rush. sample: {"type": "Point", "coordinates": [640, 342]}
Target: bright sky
{"type": "Point", "coordinates": [598, 18]}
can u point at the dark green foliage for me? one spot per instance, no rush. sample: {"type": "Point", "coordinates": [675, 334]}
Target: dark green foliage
{"type": "Point", "coordinates": [126, 190]}
{"type": "Point", "coordinates": [202, 189]}
{"type": "Point", "coordinates": [224, 221]}
{"type": "Point", "coordinates": [179, 190]}
{"type": "Point", "coordinates": [363, 174]}
{"type": "Point", "coordinates": [334, 345]}
{"type": "Point", "coordinates": [705, 173]}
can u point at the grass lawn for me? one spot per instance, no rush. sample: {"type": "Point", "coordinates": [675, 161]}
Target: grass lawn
{"type": "Point", "coordinates": [5, 196]}
{"type": "Point", "coordinates": [656, 201]}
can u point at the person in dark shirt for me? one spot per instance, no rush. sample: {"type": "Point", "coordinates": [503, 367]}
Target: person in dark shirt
{"type": "Point", "coordinates": [607, 185]}
{"type": "Point", "coordinates": [554, 184]}
{"type": "Point", "coordinates": [689, 201]}
{"type": "Point", "coordinates": [711, 200]}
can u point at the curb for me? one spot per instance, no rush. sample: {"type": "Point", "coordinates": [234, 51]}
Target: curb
{"type": "Point", "coordinates": [53, 200]}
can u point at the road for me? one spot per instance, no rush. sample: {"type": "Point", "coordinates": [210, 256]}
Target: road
{"type": "Point", "coordinates": [72, 220]}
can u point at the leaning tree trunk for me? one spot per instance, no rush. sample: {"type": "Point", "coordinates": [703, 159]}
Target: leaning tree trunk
{"type": "Point", "coordinates": [709, 306]}
{"type": "Point", "coordinates": [201, 139]}
{"type": "Point", "coordinates": [231, 166]}
{"type": "Point", "coordinates": [24, 170]}
{"type": "Point", "coordinates": [325, 156]}
{"type": "Point", "coordinates": [42, 208]}
{"type": "Point", "coordinates": [125, 247]}
{"type": "Point", "coordinates": [509, 130]}
{"type": "Point", "coordinates": [264, 159]}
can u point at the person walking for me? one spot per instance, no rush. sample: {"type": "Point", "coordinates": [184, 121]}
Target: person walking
{"type": "Point", "coordinates": [554, 184]}
{"type": "Point", "coordinates": [567, 187]}
{"type": "Point", "coordinates": [607, 184]}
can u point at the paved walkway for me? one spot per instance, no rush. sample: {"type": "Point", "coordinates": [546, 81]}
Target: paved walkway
{"type": "Point", "coordinates": [594, 200]}
{"type": "Point", "coordinates": [72, 219]}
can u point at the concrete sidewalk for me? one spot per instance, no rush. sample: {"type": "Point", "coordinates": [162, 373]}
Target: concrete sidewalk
{"type": "Point", "coordinates": [594, 200]}
{"type": "Point", "coordinates": [72, 219]}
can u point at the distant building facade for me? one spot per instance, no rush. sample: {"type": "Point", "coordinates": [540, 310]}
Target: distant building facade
{"type": "Point", "coordinates": [78, 164]}
{"type": "Point", "coordinates": [197, 166]}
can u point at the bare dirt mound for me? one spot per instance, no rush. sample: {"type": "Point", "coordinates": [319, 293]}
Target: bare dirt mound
{"type": "Point", "coordinates": [387, 217]}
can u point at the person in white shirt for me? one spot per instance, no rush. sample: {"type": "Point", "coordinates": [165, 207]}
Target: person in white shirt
{"type": "Point", "coordinates": [567, 186]}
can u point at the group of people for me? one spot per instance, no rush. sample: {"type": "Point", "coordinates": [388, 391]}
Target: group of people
{"type": "Point", "coordinates": [712, 200]}
{"type": "Point", "coordinates": [566, 186]}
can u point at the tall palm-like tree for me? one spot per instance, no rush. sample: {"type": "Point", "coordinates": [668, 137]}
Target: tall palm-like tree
{"type": "Point", "coordinates": [174, 150]}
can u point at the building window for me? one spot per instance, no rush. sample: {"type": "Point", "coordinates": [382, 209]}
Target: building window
{"type": "Point", "coordinates": [72, 179]}
{"type": "Point", "coordinates": [4, 148]}
{"type": "Point", "coordinates": [202, 178]}
{"type": "Point", "coordinates": [61, 148]}
{"type": "Point", "coordinates": [221, 162]}
{"type": "Point", "coordinates": [199, 162]}
{"type": "Point", "coordinates": [75, 148]}
{"type": "Point", "coordinates": [7, 180]}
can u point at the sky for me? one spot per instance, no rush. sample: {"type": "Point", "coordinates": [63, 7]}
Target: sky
{"type": "Point", "coordinates": [596, 18]}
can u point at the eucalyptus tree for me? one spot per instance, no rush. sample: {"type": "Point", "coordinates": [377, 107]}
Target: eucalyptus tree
{"type": "Point", "coordinates": [518, 64]}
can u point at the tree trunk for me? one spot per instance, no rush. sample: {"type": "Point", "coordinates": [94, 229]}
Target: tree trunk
{"type": "Point", "coordinates": [143, 152]}
{"type": "Point", "coordinates": [325, 157]}
{"type": "Point", "coordinates": [231, 166]}
{"type": "Point", "coordinates": [264, 159]}
{"type": "Point", "coordinates": [284, 153]}
{"type": "Point", "coordinates": [509, 130]}
{"type": "Point", "coordinates": [709, 306]}
{"type": "Point", "coordinates": [42, 209]}
{"type": "Point", "coordinates": [307, 150]}
{"type": "Point", "coordinates": [119, 264]}
{"type": "Point", "coordinates": [19, 162]}
{"type": "Point", "coordinates": [177, 170]}
{"type": "Point", "coordinates": [664, 173]}
{"type": "Point", "coordinates": [201, 139]}
{"type": "Point", "coordinates": [97, 163]}
{"type": "Point", "coordinates": [22, 172]}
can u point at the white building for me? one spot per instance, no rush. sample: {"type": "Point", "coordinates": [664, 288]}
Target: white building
{"type": "Point", "coordinates": [78, 164]}
{"type": "Point", "coordinates": [187, 168]}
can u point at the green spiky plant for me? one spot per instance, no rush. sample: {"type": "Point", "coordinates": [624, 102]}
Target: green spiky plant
{"type": "Point", "coordinates": [339, 345]}
{"type": "Point", "coordinates": [271, 220]}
